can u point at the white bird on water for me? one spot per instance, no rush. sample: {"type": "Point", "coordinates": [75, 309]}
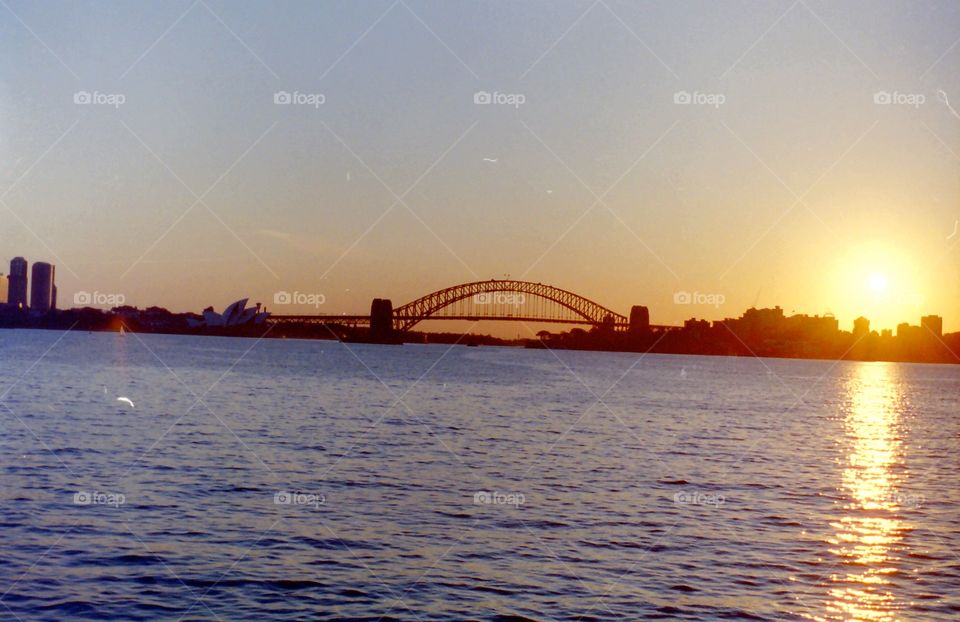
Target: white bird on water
{"type": "Point", "coordinates": [126, 400]}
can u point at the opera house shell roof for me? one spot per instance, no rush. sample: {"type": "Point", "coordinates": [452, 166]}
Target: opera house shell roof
{"type": "Point", "coordinates": [236, 314]}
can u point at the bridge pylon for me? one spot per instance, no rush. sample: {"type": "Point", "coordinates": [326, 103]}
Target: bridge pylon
{"type": "Point", "coordinates": [381, 319]}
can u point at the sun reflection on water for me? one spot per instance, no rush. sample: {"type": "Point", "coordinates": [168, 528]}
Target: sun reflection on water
{"type": "Point", "coordinates": [868, 537]}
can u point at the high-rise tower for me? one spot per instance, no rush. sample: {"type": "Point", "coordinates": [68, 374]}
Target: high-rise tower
{"type": "Point", "coordinates": [17, 283]}
{"type": "Point", "coordinates": [42, 287]}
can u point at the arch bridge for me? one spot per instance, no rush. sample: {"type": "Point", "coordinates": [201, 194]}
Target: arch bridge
{"type": "Point", "coordinates": [508, 300]}
{"type": "Point", "coordinates": [496, 299]}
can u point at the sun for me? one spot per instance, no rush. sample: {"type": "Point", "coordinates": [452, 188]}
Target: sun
{"type": "Point", "coordinates": [877, 281]}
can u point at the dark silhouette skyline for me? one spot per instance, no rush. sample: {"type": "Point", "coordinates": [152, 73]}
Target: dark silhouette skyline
{"type": "Point", "coordinates": [765, 332]}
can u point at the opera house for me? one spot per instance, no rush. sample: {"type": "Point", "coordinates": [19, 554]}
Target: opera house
{"type": "Point", "coordinates": [236, 314]}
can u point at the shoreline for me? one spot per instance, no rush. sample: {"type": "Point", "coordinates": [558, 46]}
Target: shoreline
{"type": "Point", "coordinates": [461, 339]}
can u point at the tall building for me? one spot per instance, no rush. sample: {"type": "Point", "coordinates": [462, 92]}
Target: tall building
{"type": "Point", "coordinates": [932, 323]}
{"type": "Point", "coordinates": [17, 283]}
{"type": "Point", "coordinates": [906, 332]}
{"type": "Point", "coordinates": [861, 327]}
{"type": "Point", "coordinates": [4, 284]}
{"type": "Point", "coordinates": [42, 287]}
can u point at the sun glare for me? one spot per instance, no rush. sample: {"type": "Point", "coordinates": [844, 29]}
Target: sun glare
{"type": "Point", "coordinates": [877, 281]}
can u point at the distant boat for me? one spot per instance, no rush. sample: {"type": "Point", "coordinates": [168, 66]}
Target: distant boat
{"type": "Point", "coordinates": [123, 331]}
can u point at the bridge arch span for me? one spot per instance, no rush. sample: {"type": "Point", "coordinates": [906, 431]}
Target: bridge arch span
{"type": "Point", "coordinates": [425, 307]}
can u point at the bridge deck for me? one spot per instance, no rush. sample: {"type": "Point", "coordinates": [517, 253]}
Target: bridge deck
{"type": "Point", "coordinates": [318, 319]}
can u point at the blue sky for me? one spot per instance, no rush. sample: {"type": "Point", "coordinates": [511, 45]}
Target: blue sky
{"type": "Point", "coordinates": [783, 182]}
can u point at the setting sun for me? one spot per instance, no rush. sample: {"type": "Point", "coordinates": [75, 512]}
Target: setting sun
{"type": "Point", "coordinates": [877, 281]}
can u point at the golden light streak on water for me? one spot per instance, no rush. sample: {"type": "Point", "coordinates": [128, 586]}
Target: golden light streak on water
{"type": "Point", "coordinates": [868, 538]}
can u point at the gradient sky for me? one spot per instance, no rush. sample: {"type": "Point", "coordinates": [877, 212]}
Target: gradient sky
{"type": "Point", "coordinates": [792, 192]}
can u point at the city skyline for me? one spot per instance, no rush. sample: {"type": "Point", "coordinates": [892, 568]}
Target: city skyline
{"type": "Point", "coordinates": [765, 332]}
{"type": "Point", "coordinates": [202, 152]}
{"type": "Point", "coordinates": [43, 299]}
{"type": "Point", "coordinates": [40, 291]}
